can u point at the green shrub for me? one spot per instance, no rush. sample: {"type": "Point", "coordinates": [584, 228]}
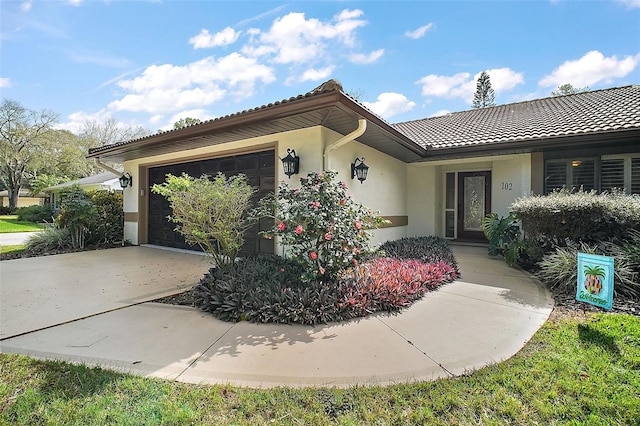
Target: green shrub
{"type": "Point", "coordinates": [107, 229]}
{"type": "Point", "coordinates": [6, 210]}
{"type": "Point", "coordinates": [503, 234]}
{"type": "Point", "coordinates": [209, 212]}
{"type": "Point", "coordinates": [581, 216]}
{"type": "Point", "coordinates": [50, 240]}
{"type": "Point", "coordinates": [35, 214]}
{"type": "Point", "coordinates": [559, 270]}
{"type": "Point", "coordinates": [429, 249]}
{"type": "Point", "coordinates": [78, 215]}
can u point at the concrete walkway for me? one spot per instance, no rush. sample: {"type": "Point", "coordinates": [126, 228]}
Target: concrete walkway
{"type": "Point", "coordinates": [15, 238]}
{"type": "Point", "coordinates": [484, 318]}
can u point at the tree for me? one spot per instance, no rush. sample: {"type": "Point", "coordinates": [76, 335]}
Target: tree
{"type": "Point", "coordinates": [108, 132]}
{"type": "Point", "coordinates": [209, 213]}
{"type": "Point", "coordinates": [95, 134]}
{"type": "Point", "coordinates": [23, 144]}
{"type": "Point", "coordinates": [185, 122]}
{"type": "Point", "coordinates": [484, 96]}
{"type": "Point", "coordinates": [568, 89]}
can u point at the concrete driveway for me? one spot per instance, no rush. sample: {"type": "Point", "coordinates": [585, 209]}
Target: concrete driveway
{"type": "Point", "coordinates": [41, 292]}
{"type": "Point", "coordinates": [87, 308]}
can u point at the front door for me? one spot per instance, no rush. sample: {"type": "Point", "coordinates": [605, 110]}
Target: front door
{"type": "Point", "coordinates": [474, 203]}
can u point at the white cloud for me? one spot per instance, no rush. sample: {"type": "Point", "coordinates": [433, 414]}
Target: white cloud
{"type": "Point", "coordinates": [5, 82]}
{"type": "Point", "coordinates": [443, 86]}
{"type": "Point", "coordinates": [222, 38]}
{"type": "Point", "coordinates": [293, 39]}
{"type": "Point", "coordinates": [502, 79]}
{"type": "Point", "coordinates": [389, 104]}
{"type": "Point", "coordinates": [463, 86]}
{"type": "Point", "coordinates": [75, 2]}
{"type": "Point", "coordinates": [168, 88]}
{"type": "Point", "coordinates": [591, 69]}
{"type": "Point", "coordinates": [440, 113]}
{"type": "Point", "coordinates": [313, 74]}
{"type": "Point", "coordinates": [420, 32]}
{"type": "Point", "coordinates": [362, 58]}
{"type": "Point", "coordinates": [76, 121]}
{"type": "Point", "coordinates": [631, 4]}
{"type": "Point", "coordinates": [26, 6]}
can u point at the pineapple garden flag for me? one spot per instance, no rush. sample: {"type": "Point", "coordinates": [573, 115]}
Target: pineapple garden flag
{"type": "Point", "coordinates": [595, 280]}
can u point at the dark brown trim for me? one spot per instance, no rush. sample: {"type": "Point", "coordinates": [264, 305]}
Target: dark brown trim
{"type": "Point", "coordinates": [262, 115]}
{"type": "Point", "coordinates": [537, 173]}
{"type": "Point", "coordinates": [395, 221]}
{"type": "Point", "coordinates": [131, 216]}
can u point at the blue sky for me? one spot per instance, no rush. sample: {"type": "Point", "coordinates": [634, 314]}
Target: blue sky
{"type": "Point", "coordinates": [148, 63]}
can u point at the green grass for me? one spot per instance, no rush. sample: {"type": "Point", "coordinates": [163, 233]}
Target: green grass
{"type": "Point", "coordinates": [574, 371]}
{"type": "Point", "coordinates": [11, 224]}
{"type": "Point", "coordinates": [12, 249]}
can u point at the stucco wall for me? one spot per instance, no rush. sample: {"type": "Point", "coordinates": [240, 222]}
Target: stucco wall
{"type": "Point", "coordinates": [383, 191]}
{"type": "Point", "coordinates": [510, 179]}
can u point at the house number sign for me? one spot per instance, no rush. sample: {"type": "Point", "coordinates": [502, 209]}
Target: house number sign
{"type": "Point", "coordinates": [507, 186]}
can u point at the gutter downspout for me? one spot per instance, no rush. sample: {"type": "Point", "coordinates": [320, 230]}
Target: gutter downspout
{"type": "Point", "coordinates": [362, 126]}
{"type": "Point", "coordinates": [103, 166]}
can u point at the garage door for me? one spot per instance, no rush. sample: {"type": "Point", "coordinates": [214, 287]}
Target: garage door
{"type": "Point", "coordinates": [260, 171]}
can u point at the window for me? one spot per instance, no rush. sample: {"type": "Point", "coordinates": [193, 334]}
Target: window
{"type": "Point", "coordinates": [450, 206]}
{"type": "Point", "coordinates": [605, 174]}
{"type": "Point", "coordinates": [622, 172]}
{"type": "Point", "coordinates": [572, 174]}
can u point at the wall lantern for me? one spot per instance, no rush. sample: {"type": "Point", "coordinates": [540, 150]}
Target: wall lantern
{"type": "Point", "coordinates": [291, 163]}
{"type": "Point", "coordinates": [359, 169]}
{"type": "Point", "coordinates": [125, 180]}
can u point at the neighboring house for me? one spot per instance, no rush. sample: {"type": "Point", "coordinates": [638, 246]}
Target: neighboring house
{"type": "Point", "coordinates": [106, 181]}
{"type": "Point", "coordinates": [437, 176]}
{"type": "Point", "coordinates": [25, 199]}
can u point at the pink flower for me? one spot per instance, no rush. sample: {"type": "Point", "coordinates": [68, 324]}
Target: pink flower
{"type": "Point", "coordinates": [299, 229]}
{"type": "Point", "coordinates": [358, 224]}
{"type": "Point", "coordinates": [342, 201]}
{"type": "Point", "coordinates": [344, 185]}
{"type": "Point", "coordinates": [322, 270]}
{"type": "Point", "coordinates": [313, 255]}
{"type": "Point", "coordinates": [281, 226]}
{"type": "Point", "coordinates": [327, 236]}
{"type": "Point", "coordinates": [315, 204]}
{"type": "Point", "coordinates": [355, 262]}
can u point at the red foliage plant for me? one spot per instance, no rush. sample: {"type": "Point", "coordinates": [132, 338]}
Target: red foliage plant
{"type": "Point", "coordinates": [387, 284]}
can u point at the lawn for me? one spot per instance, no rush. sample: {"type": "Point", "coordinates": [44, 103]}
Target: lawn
{"type": "Point", "coordinates": [575, 370]}
{"type": "Point", "coordinates": [12, 224]}
{"type": "Point", "coordinates": [17, 248]}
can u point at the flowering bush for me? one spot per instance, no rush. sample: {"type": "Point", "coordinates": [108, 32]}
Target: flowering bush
{"type": "Point", "coordinates": [320, 225]}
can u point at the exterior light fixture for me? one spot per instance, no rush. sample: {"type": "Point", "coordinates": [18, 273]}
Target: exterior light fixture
{"type": "Point", "coordinates": [291, 163]}
{"type": "Point", "coordinates": [125, 180]}
{"type": "Point", "coordinates": [359, 169]}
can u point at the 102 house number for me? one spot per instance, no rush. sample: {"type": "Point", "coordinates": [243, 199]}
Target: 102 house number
{"type": "Point", "coordinates": [507, 186]}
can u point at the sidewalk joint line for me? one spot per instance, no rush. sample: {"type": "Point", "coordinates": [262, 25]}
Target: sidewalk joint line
{"type": "Point", "coordinates": [417, 348]}
{"type": "Point", "coordinates": [204, 352]}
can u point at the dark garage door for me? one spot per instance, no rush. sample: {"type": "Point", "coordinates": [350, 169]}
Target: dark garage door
{"type": "Point", "coordinates": [260, 172]}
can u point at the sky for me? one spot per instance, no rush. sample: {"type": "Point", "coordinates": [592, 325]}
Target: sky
{"type": "Point", "coordinates": [150, 63]}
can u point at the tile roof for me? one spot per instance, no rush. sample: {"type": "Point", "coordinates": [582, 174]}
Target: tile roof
{"type": "Point", "coordinates": [597, 111]}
